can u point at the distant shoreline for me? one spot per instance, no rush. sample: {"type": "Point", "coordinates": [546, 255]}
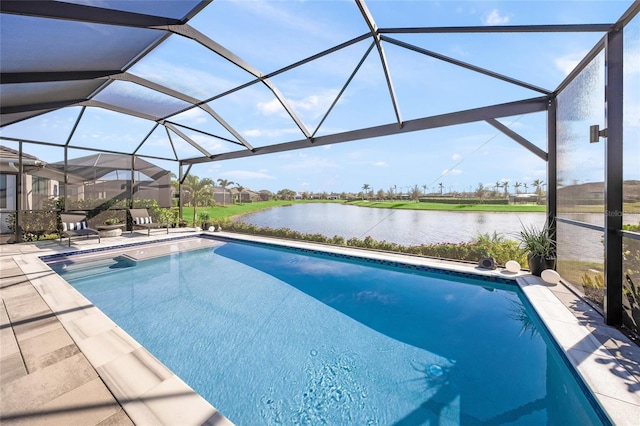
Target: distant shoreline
{"type": "Point", "coordinates": [231, 211]}
{"type": "Point", "coordinates": [412, 205]}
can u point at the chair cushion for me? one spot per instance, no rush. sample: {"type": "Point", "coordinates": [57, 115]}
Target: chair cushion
{"type": "Point", "coordinates": [74, 226]}
{"type": "Point", "coordinates": [142, 220]}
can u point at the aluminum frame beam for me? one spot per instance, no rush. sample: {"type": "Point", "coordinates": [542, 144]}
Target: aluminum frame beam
{"type": "Point", "coordinates": [104, 105]}
{"type": "Point", "coordinates": [518, 138]}
{"type": "Point", "coordinates": [614, 177]}
{"type": "Point", "coordinates": [561, 28]}
{"type": "Point", "coordinates": [173, 147]}
{"type": "Point", "coordinates": [344, 88]}
{"type": "Point", "coordinates": [193, 34]}
{"type": "Point", "coordinates": [383, 59]}
{"type": "Point", "coordinates": [478, 114]}
{"type": "Point", "coordinates": [183, 97]}
{"type": "Point", "coordinates": [467, 65]}
{"type": "Point", "coordinates": [53, 76]}
{"type": "Point", "coordinates": [187, 139]}
{"type": "Point", "coordinates": [595, 50]}
{"type": "Point", "coordinates": [12, 109]}
{"type": "Point", "coordinates": [552, 166]}
{"type": "Point", "coordinates": [84, 13]}
{"type": "Point", "coordinates": [202, 132]}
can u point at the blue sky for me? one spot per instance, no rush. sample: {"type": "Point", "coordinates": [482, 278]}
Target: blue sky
{"type": "Point", "coordinates": [272, 34]}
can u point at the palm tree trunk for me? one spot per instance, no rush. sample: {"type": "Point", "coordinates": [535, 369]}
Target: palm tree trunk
{"type": "Point", "coordinates": [194, 214]}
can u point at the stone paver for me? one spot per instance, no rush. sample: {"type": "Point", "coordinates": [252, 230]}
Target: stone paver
{"type": "Point", "coordinates": [44, 378]}
{"type": "Point", "coordinates": [47, 379]}
{"type": "Point", "coordinates": [62, 361]}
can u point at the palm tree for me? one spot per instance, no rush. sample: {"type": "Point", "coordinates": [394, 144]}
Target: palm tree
{"type": "Point", "coordinates": [199, 191]}
{"type": "Point", "coordinates": [365, 189]}
{"type": "Point", "coordinates": [505, 185]}
{"type": "Point", "coordinates": [538, 184]}
{"type": "Point", "coordinates": [526, 188]}
{"type": "Point", "coordinates": [223, 184]}
{"type": "Point", "coordinates": [441, 187]}
{"type": "Point", "coordinates": [240, 188]}
{"type": "Point", "coordinates": [415, 193]}
{"type": "Point", "coordinates": [517, 185]}
{"type": "Point", "coordinates": [424, 188]}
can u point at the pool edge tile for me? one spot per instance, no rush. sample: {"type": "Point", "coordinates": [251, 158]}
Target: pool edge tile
{"type": "Point", "coordinates": [594, 372]}
{"type": "Point", "coordinates": [523, 281]}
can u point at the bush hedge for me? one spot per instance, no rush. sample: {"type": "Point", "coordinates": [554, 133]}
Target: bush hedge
{"type": "Point", "coordinates": [496, 246]}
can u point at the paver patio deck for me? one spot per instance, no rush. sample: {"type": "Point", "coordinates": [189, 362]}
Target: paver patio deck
{"type": "Point", "coordinates": [65, 366]}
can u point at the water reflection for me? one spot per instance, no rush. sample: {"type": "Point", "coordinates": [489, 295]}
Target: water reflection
{"type": "Point", "coordinates": [406, 227]}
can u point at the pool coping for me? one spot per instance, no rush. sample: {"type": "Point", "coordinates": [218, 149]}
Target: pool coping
{"type": "Point", "coordinates": [150, 393]}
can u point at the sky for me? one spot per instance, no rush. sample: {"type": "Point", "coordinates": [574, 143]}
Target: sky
{"type": "Point", "coordinates": [270, 35]}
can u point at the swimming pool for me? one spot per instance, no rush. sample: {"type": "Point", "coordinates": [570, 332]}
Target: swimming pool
{"type": "Point", "coordinates": [280, 336]}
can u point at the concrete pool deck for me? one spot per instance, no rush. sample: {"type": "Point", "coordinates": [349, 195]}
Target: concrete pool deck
{"type": "Point", "coordinates": [64, 362]}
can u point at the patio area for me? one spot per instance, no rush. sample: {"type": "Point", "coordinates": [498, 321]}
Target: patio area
{"type": "Point", "coordinates": [156, 91]}
{"type": "Point", "coordinates": [54, 370]}
{"type": "Point", "coordinates": [64, 362]}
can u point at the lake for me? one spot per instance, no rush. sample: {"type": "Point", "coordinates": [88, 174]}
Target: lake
{"type": "Point", "coordinates": [406, 227]}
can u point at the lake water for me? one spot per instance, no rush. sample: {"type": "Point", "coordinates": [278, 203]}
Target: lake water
{"type": "Point", "coordinates": [406, 227]}
{"type": "Point", "coordinates": [414, 227]}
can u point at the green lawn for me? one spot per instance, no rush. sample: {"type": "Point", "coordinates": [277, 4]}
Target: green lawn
{"type": "Point", "coordinates": [217, 213]}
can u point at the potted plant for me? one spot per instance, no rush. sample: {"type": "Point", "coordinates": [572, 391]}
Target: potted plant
{"type": "Point", "coordinates": [203, 218]}
{"type": "Point", "coordinates": [112, 221]}
{"type": "Point", "coordinates": [540, 248]}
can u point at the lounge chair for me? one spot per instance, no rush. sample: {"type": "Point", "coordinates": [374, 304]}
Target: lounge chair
{"type": "Point", "coordinates": [75, 225]}
{"type": "Point", "coordinates": [140, 218]}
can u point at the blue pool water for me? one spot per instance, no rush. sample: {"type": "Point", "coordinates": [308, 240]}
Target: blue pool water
{"type": "Point", "coordinates": [275, 336]}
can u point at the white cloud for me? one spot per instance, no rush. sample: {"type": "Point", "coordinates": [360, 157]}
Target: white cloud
{"type": "Point", "coordinates": [208, 143]}
{"type": "Point", "coordinates": [567, 63]}
{"type": "Point", "coordinates": [315, 105]}
{"type": "Point", "coordinates": [380, 164]}
{"type": "Point", "coordinates": [456, 157]}
{"type": "Point", "coordinates": [271, 107]}
{"type": "Point", "coordinates": [494, 18]}
{"type": "Point", "coordinates": [312, 105]}
{"type": "Point", "coordinates": [194, 115]}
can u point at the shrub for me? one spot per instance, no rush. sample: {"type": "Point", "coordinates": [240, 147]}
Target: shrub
{"type": "Point", "coordinates": [496, 246]}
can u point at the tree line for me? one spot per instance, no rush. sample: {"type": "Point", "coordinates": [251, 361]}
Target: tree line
{"type": "Point", "coordinates": [500, 189]}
